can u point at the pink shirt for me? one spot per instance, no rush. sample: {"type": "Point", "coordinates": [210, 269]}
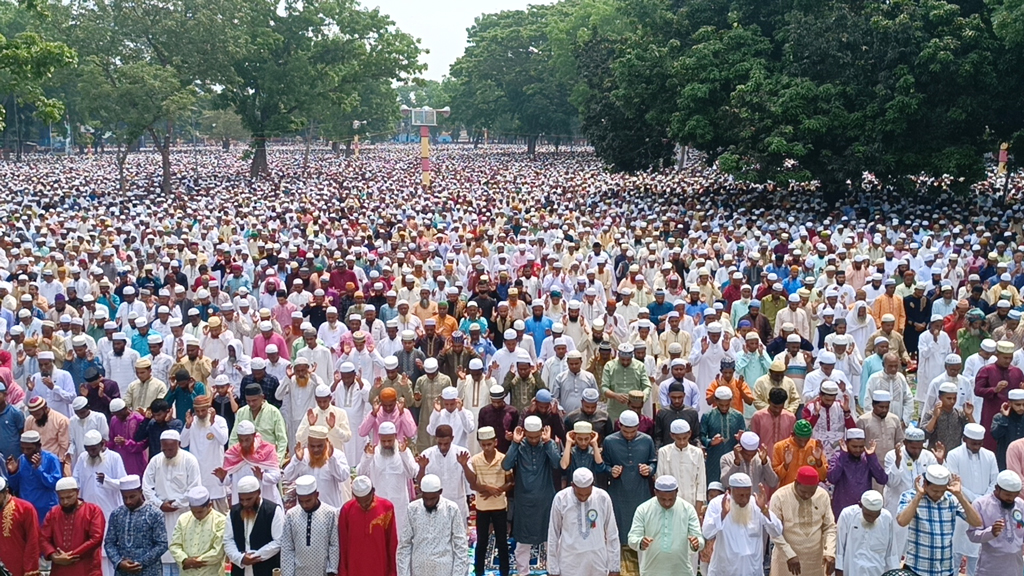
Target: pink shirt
{"type": "Point", "coordinates": [260, 343]}
{"type": "Point", "coordinates": [403, 423]}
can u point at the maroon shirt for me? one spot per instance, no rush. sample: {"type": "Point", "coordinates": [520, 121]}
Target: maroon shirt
{"type": "Point", "coordinates": [985, 387]}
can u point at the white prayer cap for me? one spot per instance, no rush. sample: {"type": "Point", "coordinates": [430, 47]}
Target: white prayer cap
{"type": "Point", "coordinates": [793, 339]}
{"type": "Point", "coordinates": [476, 364]}
{"type": "Point", "coordinates": [361, 486]}
{"type": "Point", "coordinates": [988, 345]}
{"type": "Point", "coordinates": [154, 339]}
{"type": "Point", "coordinates": [67, 483]}
{"type": "Point", "coordinates": [132, 482]}
{"type": "Point", "coordinates": [750, 441]}
{"type": "Point", "coordinates": [1007, 480]}
{"type": "Point", "coordinates": [198, 496]}
{"type": "Point", "coordinates": [829, 387]}
{"type": "Point", "coordinates": [266, 326]}
{"type": "Point", "coordinates": [92, 438]}
{"type": "Point", "coordinates": [430, 484]}
{"type": "Point", "coordinates": [301, 361]}
{"type": "Point", "coordinates": [510, 334]}
{"type": "Point", "coordinates": [680, 362]}
{"type": "Point", "coordinates": [30, 437]}
{"type": "Point", "coordinates": [3, 484]}
{"type": "Point", "coordinates": [449, 393]}
{"type": "Point", "coordinates": [45, 355]}
{"type": "Point", "coordinates": [79, 403]}
{"type": "Point", "coordinates": [391, 363]}
{"type": "Point", "coordinates": [974, 431]}
{"type": "Point", "coordinates": [936, 318]}
{"type": "Point", "coordinates": [170, 435]}
{"type": "Point", "coordinates": [348, 367]}
{"type": "Point", "coordinates": [245, 427]}
{"type": "Point", "coordinates": [498, 391]}
{"type": "Point", "coordinates": [881, 340]}
{"type": "Point", "coordinates": [429, 365]}
{"type": "Point", "coordinates": [79, 341]}
{"type": "Point", "coordinates": [666, 484]}
{"type": "Point", "coordinates": [937, 474]}
{"type": "Point", "coordinates": [271, 349]}
{"type": "Point", "coordinates": [408, 335]}
{"type": "Point", "coordinates": [628, 418]}
{"type": "Point", "coordinates": [854, 434]}
{"type": "Point", "coordinates": [679, 426]}
{"type": "Point", "coordinates": [532, 424]}
{"type": "Point", "coordinates": [582, 477]}
{"type": "Point", "coordinates": [259, 364]}
{"type": "Point", "coordinates": [318, 432]}
{"type": "Point", "coordinates": [881, 396]}
{"type": "Point", "coordinates": [914, 434]}
{"type": "Point", "coordinates": [827, 357]}
{"type": "Point", "coordinates": [486, 433]}
{"type": "Point", "coordinates": [247, 485]}
{"type": "Point", "coordinates": [953, 359]}
{"type": "Point", "coordinates": [1005, 347]}
{"type": "Point", "coordinates": [871, 500]}
{"type": "Point", "coordinates": [715, 328]}
{"type": "Point", "coordinates": [305, 485]}
{"type": "Point", "coordinates": [740, 480]}
{"type": "Point", "coordinates": [723, 393]}
{"type": "Point", "coordinates": [322, 391]}
{"type": "Point", "coordinates": [387, 428]}
{"type": "Point", "coordinates": [1016, 394]}
{"type": "Point", "coordinates": [947, 388]}
{"type": "Point", "coordinates": [116, 405]}
{"type": "Point", "coordinates": [591, 395]}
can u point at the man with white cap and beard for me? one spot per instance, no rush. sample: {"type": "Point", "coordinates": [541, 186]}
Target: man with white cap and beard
{"type": "Point", "coordinates": [52, 384]}
{"type": "Point", "coordinates": [751, 458]}
{"type": "Point", "coordinates": [365, 550]}
{"type": "Point", "coordinates": [98, 472]}
{"type": "Point", "coordinates": [738, 521]}
{"type": "Point", "coordinates": [81, 423]}
{"type": "Point", "coordinates": [72, 535]}
{"type": "Point", "coordinates": [390, 466]}
{"type": "Point", "coordinates": [448, 410]}
{"type": "Point", "coordinates": [632, 458]}
{"type": "Point", "coordinates": [433, 540]}
{"type": "Point", "coordinates": [977, 471]}
{"type": "Point", "coordinates": [168, 478]}
{"type": "Point", "coordinates": [659, 526]}
{"type": "Point", "coordinates": [297, 393]}
{"type": "Point", "coordinates": [352, 395]}
{"type": "Point", "coordinates": [197, 543]}
{"type": "Point", "coordinates": [904, 465]}
{"type": "Point", "coordinates": [309, 541]}
{"type": "Point", "coordinates": [807, 544]}
{"type": "Point", "coordinates": [136, 533]}
{"type": "Point", "coordinates": [252, 534]}
{"type": "Point", "coordinates": [1001, 533]}
{"type": "Point", "coordinates": [327, 465]}
{"type": "Point", "coordinates": [930, 511]}
{"type": "Point", "coordinates": [324, 413]}
{"type": "Point", "coordinates": [864, 543]}
{"type": "Point", "coordinates": [205, 435]}
{"type": "Point", "coordinates": [583, 538]}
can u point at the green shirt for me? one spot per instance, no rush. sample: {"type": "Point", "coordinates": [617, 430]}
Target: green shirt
{"type": "Point", "coordinates": [269, 423]}
{"type": "Point", "coordinates": [622, 380]}
{"type": "Point", "coordinates": [669, 554]}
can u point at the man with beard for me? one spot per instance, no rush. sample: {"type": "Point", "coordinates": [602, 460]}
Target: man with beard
{"type": "Point", "coordinates": [252, 456]}
{"type": "Point", "coordinates": [993, 384]}
{"type": "Point", "coordinates": [52, 384]}
{"type": "Point", "coordinates": [807, 544]}
{"type": "Point", "coordinates": [124, 425]}
{"type": "Point", "coordinates": [366, 550]}
{"type": "Point", "coordinates": [706, 359]}
{"type": "Point", "coordinates": [169, 477]}
{"type": "Point", "coordinates": [204, 436]}
{"type": "Point", "coordinates": [977, 470]}
{"type": "Point", "coordinates": [136, 535]}
{"type": "Point", "coordinates": [852, 469]}
{"type": "Point", "coordinates": [1001, 532]}
{"type": "Point", "coordinates": [776, 378]}
{"type": "Point", "coordinates": [309, 541]}
{"type": "Point", "coordinates": [98, 472]}
{"type": "Point", "coordinates": [390, 466]}
{"type": "Point", "coordinates": [72, 535]}
{"type": "Point", "coordinates": [265, 417]}
{"type": "Point", "coordinates": [433, 540]}
{"type": "Point", "coordinates": [326, 464]}
{"type": "Point", "coordinates": [930, 511]}
{"type": "Point", "coordinates": [904, 465]}
{"type": "Point", "coordinates": [34, 474]}
{"type": "Point", "coordinates": [742, 525]}
{"type": "Point", "coordinates": [296, 393]}
{"type": "Point", "coordinates": [252, 535]}
{"type": "Point", "coordinates": [51, 425]}
{"type": "Point", "coordinates": [657, 528]}
{"type": "Point", "coordinates": [197, 542]}
{"type": "Point", "coordinates": [583, 538]}
{"type": "Point", "coordinates": [864, 540]}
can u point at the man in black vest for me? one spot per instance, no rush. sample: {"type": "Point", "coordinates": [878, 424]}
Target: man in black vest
{"type": "Point", "coordinates": [252, 539]}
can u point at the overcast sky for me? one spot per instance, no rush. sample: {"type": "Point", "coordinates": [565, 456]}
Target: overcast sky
{"type": "Point", "coordinates": [441, 25]}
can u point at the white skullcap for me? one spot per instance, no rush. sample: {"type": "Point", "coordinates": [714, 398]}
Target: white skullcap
{"type": "Point", "coordinates": [305, 485]}
{"type": "Point", "coordinates": [245, 427]}
{"type": "Point", "coordinates": [348, 367]}
{"type": "Point", "coordinates": [198, 496]}
{"type": "Point", "coordinates": [715, 328]}
{"type": "Point", "coordinates": [79, 403]}
{"type": "Point", "coordinates": [988, 345]}
{"type": "Point", "coordinates": [391, 363]}
{"type": "Point", "coordinates": [430, 484]}
{"type": "Point", "coordinates": [937, 474]}
{"type": "Point", "coordinates": [30, 437]}
{"type": "Point", "coordinates": [266, 326]}
{"type": "Point", "coordinates": [881, 340]}
{"type": "Point", "coordinates": [67, 483]}
{"type": "Point", "coordinates": [591, 395]}
{"type": "Point", "coordinates": [319, 432]}
{"type": "Point", "coordinates": [116, 405]}
{"type": "Point", "coordinates": [408, 335]}
{"type": "Point", "coordinates": [947, 388]}
{"type": "Point", "coordinates": [92, 438]}
{"type": "Point", "coordinates": [881, 396]}
{"type": "Point", "coordinates": [679, 426]}
{"type": "Point", "coordinates": [914, 434]}
{"type": "Point", "coordinates": [629, 418]}
{"type": "Point", "coordinates": [429, 365]}
{"type": "Point", "coordinates": [449, 393]}
{"type": "Point", "coordinates": [666, 484]}
{"type": "Point", "coordinates": [953, 359]}
{"type": "Point", "coordinates": [532, 424]}
{"type": "Point", "coordinates": [582, 477]}
{"type": "Point", "coordinates": [793, 339]}
{"type": "Point", "coordinates": [827, 357]}
{"type": "Point", "coordinates": [361, 486]}
{"type": "Point", "coordinates": [1016, 394]}
{"type": "Point", "coordinates": [259, 363]}
{"type": "Point", "coordinates": [387, 428]}
{"type": "Point", "coordinates": [170, 435]}
{"type": "Point", "coordinates": [486, 433]}
{"type": "Point", "coordinates": [740, 480]}
{"type": "Point", "coordinates": [854, 434]}
{"type": "Point", "coordinates": [1005, 347]}
{"type": "Point", "coordinates": [476, 364]}
{"type": "Point", "coordinates": [723, 393]}
{"type": "Point", "coordinates": [1007, 480]}
{"type": "Point", "coordinates": [974, 431]}
{"type": "Point", "coordinates": [510, 334]}
{"type": "Point", "coordinates": [247, 485]}
{"type": "Point", "coordinates": [3, 484]}
{"type": "Point", "coordinates": [750, 441]}
{"type": "Point", "coordinates": [46, 355]}
{"type": "Point", "coordinates": [871, 500]}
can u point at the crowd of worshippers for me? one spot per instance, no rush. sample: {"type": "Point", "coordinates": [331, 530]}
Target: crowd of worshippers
{"type": "Point", "coordinates": [616, 391]}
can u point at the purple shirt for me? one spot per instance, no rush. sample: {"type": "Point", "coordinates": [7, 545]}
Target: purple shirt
{"type": "Point", "coordinates": [1000, 555]}
{"type": "Point", "coordinates": [852, 478]}
{"type": "Point", "coordinates": [132, 453]}
{"type": "Point", "coordinates": [985, 387]}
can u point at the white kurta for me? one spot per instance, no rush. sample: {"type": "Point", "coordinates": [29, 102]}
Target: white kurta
{"type": "Point", "coordinates": [739, 550]}
{"type": "Point", "coordinates": [339, 434]}
{"type": "Point", "coordinates": [900, 480]}
{"type": "Point", "coordinates": [390, 476]}
{"type": "Point", "coordinates": [309, 540]}
{"type": "Point", "coordinates": [107, 495]}
{"type": "Point", "coordinates": [583, 538]}
{"type": "Point", "coordinates": [462, 422]}
{"type": "Point", "coordinates": [355, 401]}
{"type": "Point", "coordinates": [977, 477]}
{"type": "Point", "coordinates": [169, 481]}
{"type": "Point", "coordinates": [687, 466]}
{"type": "Point", "coordinates": [706, 367]}
{"type": "Point", "coordinates": [205, 441]}
{"type": "Point", "coordinates": [931, 360]}
{"type": "Point", "coordinates": [77, 429]}
{"type": "Point", "coordinates": [268, 488]}
{"type": "Point", "coordinates": [321, 362]}
{"type": "Point", "coordinates": [433, 543]}
{"type": "Point", "coordinates": [295, 401]}
{"type": "Point", "coordinates": [453, 479]}
{"type": "Point", "coordinates": [862, 548]}
{"type": "Point", "coordinates": [332, 479]}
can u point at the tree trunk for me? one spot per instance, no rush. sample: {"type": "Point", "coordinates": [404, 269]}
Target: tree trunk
{"type": "Point", "coordinates": [259, 156]}
{"type": "Point", "coordinates": [348, 149]}
{"type": "Point", "coordinates": [164, 148]}
{"type": "Point", "coordinates": [531, 145]}
{"type": "Point", "coordinates": [122, 158]}
{"type": "Point", "coordinates": [309, 143]}
{"type": "Point", "coordinates": [558, 142]}
{"type": "Point", "coordinates": [336, 147]}
{"type": "Point", "coordinates": [225, 144]}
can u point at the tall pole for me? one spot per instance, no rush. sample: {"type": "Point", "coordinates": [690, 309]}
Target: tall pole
{"type": "Point", "coordinates": [425, 154]}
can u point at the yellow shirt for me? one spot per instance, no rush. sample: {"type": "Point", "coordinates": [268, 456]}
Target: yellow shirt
{"type": "Point", "coordinates": [491, 474]}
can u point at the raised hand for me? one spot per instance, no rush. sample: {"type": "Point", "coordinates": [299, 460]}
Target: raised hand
{"type": "Point", "coordinates": [788, 455]}
{"type": "Point", "coordinates": [518, 434]}
{"type": "Point", "coordinates": [871, 448]}
{"type": "Point", "coordinates": [737, 453]}
{"type": "Point", "coordinates": [842, 445]}
{"type": "Point", "coordinates": [817, 451]}
{"type": "Point", "coordinates": [403, 444]}
{"type": "Point", "coordinates": [997, 527]}
{"type": "Point", "coordinates": [940, 451]}
{"type": "Point", "coordinates": [760, 496]}
{"type": "Point", "coordinates": [763, 453]}
{"type": "Point", "coordinates": [332, 419]}
{"type": "Point", "coordinates": [462, 457]}
{"type": "Point", "coordinates": [311, 417]}
{"type": "Point", "coordinates": [369, 448]}
{"type": "Point", "coordinates": [437, 405]}
{"type": "Point", "coordinates": [12, 466]}
{"type": "Point", "coordinates": [545, 434]}
{"type": "Point", "coordinates": [717, 440]}
{"type": "Point", "coordinates": [220, 473]}
{"type": "Point", "coordinates": [423, 461]}
{"type": "Point", "coordinates": [189, 417]}
{"type": "Point", "coordinates": [258, 473]}
{"type": "Point", "coordinates": [954, 487]}
{"type": "Point", "coordinates": [899, 453]}
{"type": "Point", "coordinates": [1005, 409]}
{"type": "Point", "coordinates": [299, 451]}
{"type": "Point", "coordinates": [704, 344]}
{"type": "Point", "coordinates": [726, 505]}
{"type": "Point", "coordinates": [969, 410]}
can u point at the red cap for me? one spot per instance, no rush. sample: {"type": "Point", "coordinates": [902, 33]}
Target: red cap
{"type": "Point", "coordinates": [807, 476]}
